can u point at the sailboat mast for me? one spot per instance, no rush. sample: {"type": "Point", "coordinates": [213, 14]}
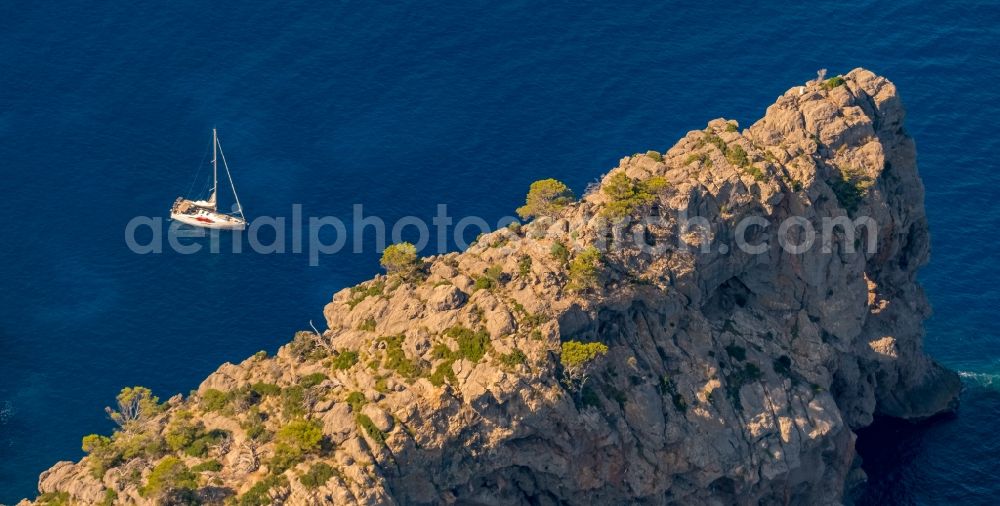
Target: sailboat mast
{"type": "Point", "coordinates": [215, 169]}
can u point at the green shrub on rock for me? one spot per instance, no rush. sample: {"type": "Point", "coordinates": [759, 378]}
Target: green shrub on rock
{"type": "Point", "coordinates": [186, 435]}
{"type": "Point", "coordinates": [362, 292]}
{"type": "Point", "coordinates": [260, 493]}
{"type": "Point", "coordinates": [370, 428]}
{"type": "Point", "coordinates": [737, 155]}
{"type": "Point", "coordinates": [317, 475]}
{"type": "Point", "coordinates": [368, 325]}
{"type": "Point", "coordinates": [293, 442]}
{"type": "Point", "coordinates": [512, 359]}
{"type": "Point", "coordinates": [136, 405]}
{"type": "Point", "coordinates": [312, 380]}
{"type": "Point", "coordinates": [213, 400]}
{"type": "Point", "coordinates": [443, 373]}
{"type": "Point", "coordinates": [559, 252]}
{"type": "Point", "coordinates": [472, 345]}
{"type": "Point", "coordinates": [356, 400]}
{"type": "Point", "coordinates": [545, 198]}
{"type": "Point", "coordinates": [209, 466]}
{"type": "Point", "coordinates": [110, 497]}
{"type": "Point", "coordinates": [254, 426]}
{"type": "Point", "coordinates": [584, 269]}
{"type": "Point", "coordinates": [293, 401]}
{"type": "Point", "coordinates": [58, 498]}
{"type": "Point", "coordinates": [577, 358]}
{"type": "Point", "coordinates": [833, 82]}
{"type": "Point", "coordinates": [345, 360]}
{"type": "Point", "coordinates": [625, 194]}
{"type": "Point", "coordinates": [170, 478]}
{"type": "Point", "coordinates": [101, 454]}
{"type": "Point", "coordinates": [265, 389]}
{"type": "Point", "coordinates": [399, 258]}
{"type": "Point", "coordinates": [139, 444]}
{"type": "Point", "coordinates": [524, 266]}
{"type": "Point", "coordinates": [850, 188]}
{"type": "Point", "coordinates": [396, 359]}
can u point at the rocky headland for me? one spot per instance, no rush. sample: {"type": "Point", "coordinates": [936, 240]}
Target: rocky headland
{"type": "Point", "coordinates": [722, 376]}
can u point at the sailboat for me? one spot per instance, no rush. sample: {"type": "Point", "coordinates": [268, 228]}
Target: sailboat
{"type": "Point", "coordinates": [205, 213]}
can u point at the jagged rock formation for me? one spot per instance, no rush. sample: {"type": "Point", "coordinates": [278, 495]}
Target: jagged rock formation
{"type": "Point", "coordinates": [731, 377]}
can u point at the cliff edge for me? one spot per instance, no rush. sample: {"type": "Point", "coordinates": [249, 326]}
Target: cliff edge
{"type": "Point", "coordinates": [735, 368]}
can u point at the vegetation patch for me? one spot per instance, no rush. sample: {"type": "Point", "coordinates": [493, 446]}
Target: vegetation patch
{"type": "Point", "coordinates": [345, 360]}
{"type": "Point", "coordinates": [110, 497]}
{"type": "Point", "coordinates": [293, 441]}
{"type": "Point", "coordinates": [214, 400]}
{"type": "Point", "coordinates": [395, 358]}
{"type": "Point", "coordinates": [444, 373]}
{"type": "Point", "coordinates": [472, 345]}
{"type": "Point", "coordinates": [850, 188]}
{"type": "Point", "coordinates": [306, 347]}
{"type": "Point", "coordinates": [209, 466]}
{"type": "Point", "coordinates": [559, 252]}
{"type": "Point", "coordinates": [577, 358]}
{"type": "Point", "coordinates": [186, 435]}
{"type": "Point", "coordinates": [136, 405]}
{"type": "Point", "coordinates": [356, 400]}
{"type": "Point", "coordinates": [369, 427]}
{"type": "Point", "coordinates": [491, 279]}
{"type": "Point", "coordinates": [584, 269]}
{"type": "Point", "coordinates": [545, 198]}
{"type": "Point", "coordinates": [655, 155]}
{"type": "Point", "coordinates": [312, 380]}
{"type": "Point", "coordinates": [625, 194]}
{"type": "Point", "coordinates": [737, 352]}
{"type": "Point", "coordinates": [265, 389]}
{"type": "Point", "coordinates": [362, 292]}
{"type": "Point", "coordinates": [58, 498]}
{"type": "Point", "coordinates": [260, 493]}
{"type": "Point", "coordinates": [293, 402]}
{"type": "Point", "coordinates": [833, 82]}
{"type": "Point", "coordinates": [172, 479]}
{"type": "Point", "coordinates": [317, 475]}
{"type": "Point", "coordinates": [713, 139]}
{"type": "Point", "coordinates": [368, 325]}
{"type": "Point", "coordinates": [783, 365]}
{"type": "Point", "coordinates": [589, 397]}
{"type": "Point", "coordinates": [513, 359]}
{"type": "Point", "coordinates": [400, 258]}
{"type": "Point", "coordinates": [254, 426]}
{"type": "Point", "coordinates": [698, 157]}
{"type": "Point", "coordinates": [524, 266]}
{"type": "Point", "coordinates": [737, 156]}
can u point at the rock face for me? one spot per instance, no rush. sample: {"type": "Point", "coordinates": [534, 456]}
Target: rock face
{"type": "Point", "coordinates": [731, 377]}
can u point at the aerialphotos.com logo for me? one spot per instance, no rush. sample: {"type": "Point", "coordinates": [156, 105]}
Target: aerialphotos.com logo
{"type": "Point", "coordinates": [320, 236]}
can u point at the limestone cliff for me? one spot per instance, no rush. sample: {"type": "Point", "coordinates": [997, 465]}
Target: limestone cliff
{"type": "Point", "coordinates": [730, 377]}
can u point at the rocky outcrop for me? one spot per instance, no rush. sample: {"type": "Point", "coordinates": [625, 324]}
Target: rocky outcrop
{"type": "Point", "coordinates": [734, 374]}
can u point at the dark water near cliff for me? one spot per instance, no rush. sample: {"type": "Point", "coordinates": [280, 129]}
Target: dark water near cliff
{"type": "Point", "coordinates": [104, 115]}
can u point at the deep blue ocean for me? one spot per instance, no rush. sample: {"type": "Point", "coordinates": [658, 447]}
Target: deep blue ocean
{"type": "Point", "coordinates": [106, 113]}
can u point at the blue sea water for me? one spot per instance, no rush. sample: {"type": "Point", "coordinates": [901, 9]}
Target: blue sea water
{"type": "Point", "coordinates": [105, 113]}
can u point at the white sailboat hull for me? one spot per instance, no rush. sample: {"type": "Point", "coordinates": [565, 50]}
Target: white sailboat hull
{"type": "Point", "coordinates": [209, 222]}
{"type": "Point", "coordinates": [186, 212]}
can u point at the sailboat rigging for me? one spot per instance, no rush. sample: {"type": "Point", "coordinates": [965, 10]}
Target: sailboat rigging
{"type": "Point", "coordinates": [205, 213]}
